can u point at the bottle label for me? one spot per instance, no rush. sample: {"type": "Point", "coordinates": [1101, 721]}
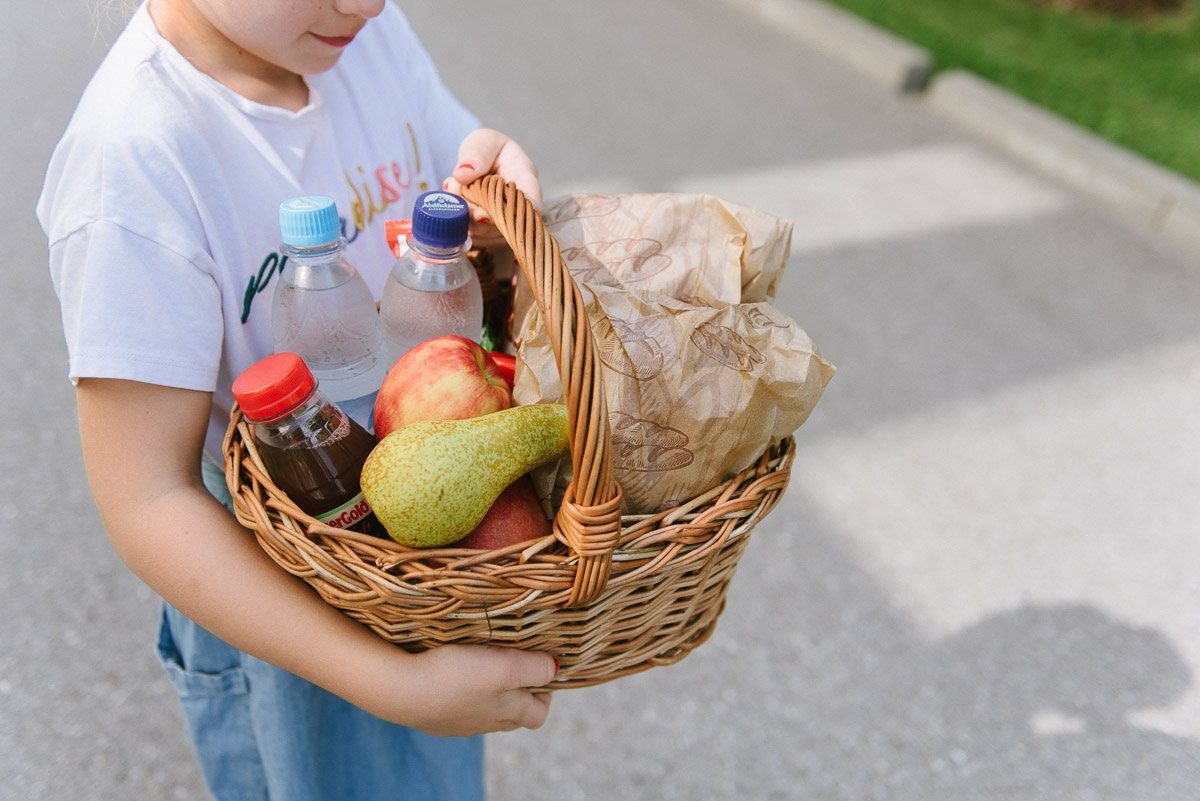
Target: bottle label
{"type": "Point", "coordinates": [349, 513]}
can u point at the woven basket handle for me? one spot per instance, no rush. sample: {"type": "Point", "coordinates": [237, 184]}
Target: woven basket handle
{"type": "Point", "coordinates": [589, 521]}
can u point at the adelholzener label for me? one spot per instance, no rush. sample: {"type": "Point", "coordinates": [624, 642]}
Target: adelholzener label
{"type": "Point", "coordinates": [348, 513]}
{"type": "Point", "coordinates": [442, 201]}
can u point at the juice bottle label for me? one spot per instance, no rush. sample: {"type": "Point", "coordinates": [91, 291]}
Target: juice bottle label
{"type": "Point", "coordinates": [349, 513]}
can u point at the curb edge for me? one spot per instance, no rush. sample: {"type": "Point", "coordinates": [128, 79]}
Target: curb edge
{"type": "Point", "coordinates": [869, 50]}
{"type": "Point", "coordinates": [1155, 199]}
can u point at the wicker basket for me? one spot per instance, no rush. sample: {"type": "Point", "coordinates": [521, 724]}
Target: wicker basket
{"type": "Point", "coordinates": [609, 595]}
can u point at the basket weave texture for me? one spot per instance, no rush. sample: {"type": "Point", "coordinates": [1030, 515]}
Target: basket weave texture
{"type": "Point", "coordinates": [609, 595]}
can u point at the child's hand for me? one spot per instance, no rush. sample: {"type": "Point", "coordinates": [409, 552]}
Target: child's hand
{"type": "Point", "coordinates": [460, 690]}
{"type": "Point", "coordinates": [487, 152]}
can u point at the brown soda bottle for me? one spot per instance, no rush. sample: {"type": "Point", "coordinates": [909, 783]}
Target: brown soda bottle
{"type": "Point", "coordinates": [312, 450]}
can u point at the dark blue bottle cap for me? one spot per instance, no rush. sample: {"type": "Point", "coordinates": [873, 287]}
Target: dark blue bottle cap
{"type": "Point", "coordinates": [440, 220]}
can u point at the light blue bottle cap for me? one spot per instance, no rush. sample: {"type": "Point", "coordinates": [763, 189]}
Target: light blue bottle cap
{"type": "Point", "coordinates": [306, 222]}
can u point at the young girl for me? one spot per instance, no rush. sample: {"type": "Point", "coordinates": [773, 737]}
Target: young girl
{"type": "Point", "coordinates": [160, 205]}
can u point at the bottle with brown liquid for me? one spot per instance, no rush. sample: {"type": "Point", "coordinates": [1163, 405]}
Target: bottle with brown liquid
{"type": "Point", "coordinates": [312, 450]}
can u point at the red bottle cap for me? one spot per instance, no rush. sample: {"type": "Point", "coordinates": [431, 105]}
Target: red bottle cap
{"type": "Point", "coordinates": [274, 386]}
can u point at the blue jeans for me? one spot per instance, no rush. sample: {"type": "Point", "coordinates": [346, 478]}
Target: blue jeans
{"type": "Point", "coordinates": [263, 733]}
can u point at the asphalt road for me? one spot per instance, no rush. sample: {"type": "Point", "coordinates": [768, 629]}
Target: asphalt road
{"type": "Point", "coordinates": [982, 583]}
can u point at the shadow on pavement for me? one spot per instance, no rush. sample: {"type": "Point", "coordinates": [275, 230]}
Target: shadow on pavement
{"type": "Point", "coordinates": [815, 686]}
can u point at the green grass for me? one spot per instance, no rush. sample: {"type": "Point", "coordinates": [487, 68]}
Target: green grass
{"type": "Point", "coordinates": [1135, 82]}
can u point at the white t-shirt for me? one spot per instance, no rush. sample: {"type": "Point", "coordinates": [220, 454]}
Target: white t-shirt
{"type": "Point", "coordinates": [161, 201]}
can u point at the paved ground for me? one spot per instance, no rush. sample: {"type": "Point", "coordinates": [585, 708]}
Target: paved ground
{"type": "Point", "coordinates": [982, 584]}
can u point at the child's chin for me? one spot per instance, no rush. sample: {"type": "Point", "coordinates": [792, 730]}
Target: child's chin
{"type": "Point", "coordinates": [316, 64]}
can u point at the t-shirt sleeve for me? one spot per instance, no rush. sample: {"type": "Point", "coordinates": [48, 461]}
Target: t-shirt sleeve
{"type": "Point", "coordinates": [136, 309]}
{"type": "Point", "coordinates": [448, 120]}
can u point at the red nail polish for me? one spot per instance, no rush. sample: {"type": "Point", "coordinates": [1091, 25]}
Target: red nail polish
{"type": "Point", "coordinates": [466, 165]}
{"type": "Point", "coordinates": [555, 658]}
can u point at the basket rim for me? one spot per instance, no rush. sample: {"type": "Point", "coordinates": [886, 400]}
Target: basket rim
{"type": "Point", "coordinates": [643, 537]}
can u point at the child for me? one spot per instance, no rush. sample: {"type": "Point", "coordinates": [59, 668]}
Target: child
{"type": "Point", "coordinates": [160, 205]}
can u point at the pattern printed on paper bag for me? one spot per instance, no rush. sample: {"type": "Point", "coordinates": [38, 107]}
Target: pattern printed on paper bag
{"type": "Point", "coordinates": [581, 207]}
{"type": "Point", "coordinates": [698, 301]}
{"type": "Point", "coordinates": [760, 319]}
{"type": "Point", "coordinates": [709, 394]}
{"type": "Point", "coordinates": [726, 346]}
{"type": "Point", "coordinates": [628, 348]}
{"type": "Point", "coordinates": [629, 260]}
{"type": "Point", "coordinates": [586, 268]}
{"type": "Point", "coordinates": [646, 446]}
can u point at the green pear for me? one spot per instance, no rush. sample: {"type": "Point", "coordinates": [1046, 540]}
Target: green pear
{"type": "Point", "coordinates": [431, 483]}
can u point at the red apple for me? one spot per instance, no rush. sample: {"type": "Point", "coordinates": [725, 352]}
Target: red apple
{"type": "Point", "coordinates": [445, 378]}
{"type": "Point", "coordinates": [516, 516]}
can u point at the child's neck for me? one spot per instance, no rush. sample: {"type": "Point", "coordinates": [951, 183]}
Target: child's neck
{"type": "Point", "coordinates": [211, 52]}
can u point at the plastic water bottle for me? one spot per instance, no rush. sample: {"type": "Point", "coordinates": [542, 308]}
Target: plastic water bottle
{"type": "Point", "coordinates": [323, 310]}
{"type": "Point", "coordinates": [433, 289]}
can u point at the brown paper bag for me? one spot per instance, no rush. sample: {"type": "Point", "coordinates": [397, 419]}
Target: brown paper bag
{"type": "Point", "coordinates": [701, 372]}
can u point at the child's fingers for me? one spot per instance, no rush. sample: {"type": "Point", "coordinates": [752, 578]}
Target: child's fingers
{"type": "Point", "coordinates": [481, 225]}
{"type": "Point", "coordinates": [514, 165]}
{"type": "Point", "coordinates": [539, 708]}
{"type": "Point", "coordinates": [477, 154]}
{"type": "Point", "coordinates": [529, 669]}
{"type": "Point", "coordinates": [530, 709]}
{"type": "Point", "coordinates": [484, 152]}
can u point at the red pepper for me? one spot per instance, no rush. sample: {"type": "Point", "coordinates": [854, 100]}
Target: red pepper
{"type": "Point", "coordinates": [506, 366]}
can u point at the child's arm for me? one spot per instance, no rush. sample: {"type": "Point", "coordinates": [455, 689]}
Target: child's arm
{"type": "Point", "coordinates": [141, 446]}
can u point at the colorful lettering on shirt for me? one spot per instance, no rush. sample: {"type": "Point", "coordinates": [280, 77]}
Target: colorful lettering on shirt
{"type": "Point", "coordinates": [392, 179]}
{"type": "Point", "coordinates": [272, 264]}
